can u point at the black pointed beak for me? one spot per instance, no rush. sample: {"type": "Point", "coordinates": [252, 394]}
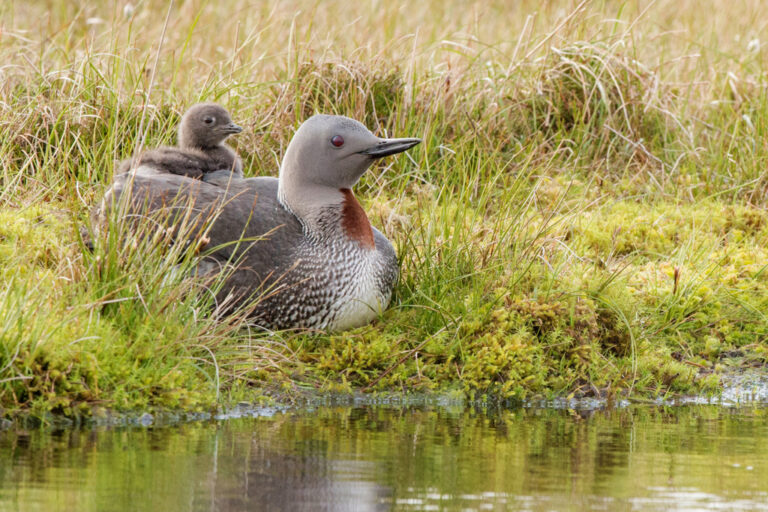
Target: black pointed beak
{"type": "Point", "coordinates": [231, 128]}
{"type": "Point", "coordinates": [389, 147]}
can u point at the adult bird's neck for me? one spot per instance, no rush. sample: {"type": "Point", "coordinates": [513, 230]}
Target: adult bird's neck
{"type": "Point", "coordinates": [327, 212]}
{"type": "Point", "coordinates": [354, 221]}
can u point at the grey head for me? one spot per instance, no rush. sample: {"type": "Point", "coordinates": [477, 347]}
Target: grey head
{"type": "Point", "coordinates": [329, 154]}
{"type": "Point", "coordinates": [206, 126]}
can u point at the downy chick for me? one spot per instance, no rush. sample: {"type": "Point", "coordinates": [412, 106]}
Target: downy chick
{"type": "Point", "coordinates": [201, 148]}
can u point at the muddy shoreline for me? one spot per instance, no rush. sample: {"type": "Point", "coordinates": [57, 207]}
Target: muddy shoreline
{"type": "Point", "coordinates": [747, 388]}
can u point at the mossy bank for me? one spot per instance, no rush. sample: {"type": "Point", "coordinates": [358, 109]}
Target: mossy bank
{"type": "Point", "coordinates": [584, 217]}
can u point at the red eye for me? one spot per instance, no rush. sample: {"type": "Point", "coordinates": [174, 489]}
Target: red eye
{"type": "Point", "coordinates": [337, 140]}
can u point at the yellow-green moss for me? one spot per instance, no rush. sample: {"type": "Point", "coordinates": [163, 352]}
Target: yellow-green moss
{"type": "Point", "coordinates": [578, 219]}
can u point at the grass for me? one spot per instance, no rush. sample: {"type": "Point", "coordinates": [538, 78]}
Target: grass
{"type": "Point", "coordinates": [585, 215]}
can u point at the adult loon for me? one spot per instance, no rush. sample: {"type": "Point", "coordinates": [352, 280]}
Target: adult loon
{"type": "Point", "coordinates": [301, 244]}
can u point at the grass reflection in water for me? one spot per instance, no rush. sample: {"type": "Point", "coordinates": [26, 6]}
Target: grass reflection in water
{"type": "Point", "coordinates": [694, 457]}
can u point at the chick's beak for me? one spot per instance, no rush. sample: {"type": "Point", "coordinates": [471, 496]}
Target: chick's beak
{"type": "Point", "coordinates": [231, 128]}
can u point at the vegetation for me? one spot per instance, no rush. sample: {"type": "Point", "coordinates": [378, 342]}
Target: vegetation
{"type": "Point", "coordinates": [585, 215]}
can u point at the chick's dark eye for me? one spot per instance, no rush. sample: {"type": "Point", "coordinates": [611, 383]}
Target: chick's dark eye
{"type": "Point", "coordinates": [337, 140]}
{"type": "Point", "coordinates": [208, 120]}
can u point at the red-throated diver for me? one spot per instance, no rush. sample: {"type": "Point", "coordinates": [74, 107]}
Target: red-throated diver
{"type": "Point", "coordinates": [201, 148]}
{"type": "Point", "coordinates": [318, 262]}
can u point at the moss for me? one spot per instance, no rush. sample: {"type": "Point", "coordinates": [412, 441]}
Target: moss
{"type": "Point", "coordinates": [572, 223]}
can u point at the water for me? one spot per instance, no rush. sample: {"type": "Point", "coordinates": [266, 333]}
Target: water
{"type": "Point", "coordinates": [695, 457]}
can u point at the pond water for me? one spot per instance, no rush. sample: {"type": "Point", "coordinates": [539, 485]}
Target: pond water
{"type": "Point", "coordinates": [694, 457]}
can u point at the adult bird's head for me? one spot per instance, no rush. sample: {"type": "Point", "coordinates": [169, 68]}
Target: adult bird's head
{"type": "Point", "coordinates": [334, 152]}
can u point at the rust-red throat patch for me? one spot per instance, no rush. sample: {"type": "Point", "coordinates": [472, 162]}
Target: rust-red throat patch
{"type": "Point", "coordinates": [354, 220]}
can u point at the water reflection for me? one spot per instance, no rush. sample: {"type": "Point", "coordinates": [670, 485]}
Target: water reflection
{"type": "Point", "coordinates": [685, 458]}
{"type": "Point", "coordinates": [266, 479]}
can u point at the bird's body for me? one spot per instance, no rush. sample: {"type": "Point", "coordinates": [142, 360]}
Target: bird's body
{"type": "Point", "coordinates": [201, 149]}
{"type": "Point", "coordinates": [301, 245]}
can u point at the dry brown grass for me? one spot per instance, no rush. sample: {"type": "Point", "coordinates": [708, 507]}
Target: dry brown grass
{"type": "Point", "coordinates": [576, 154]}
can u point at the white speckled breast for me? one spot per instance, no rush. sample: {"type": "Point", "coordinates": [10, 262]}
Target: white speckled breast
{"type": "Point", "coordinates": [350, 286]}
{"type": "Point", "coordinates": [333, 283]}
